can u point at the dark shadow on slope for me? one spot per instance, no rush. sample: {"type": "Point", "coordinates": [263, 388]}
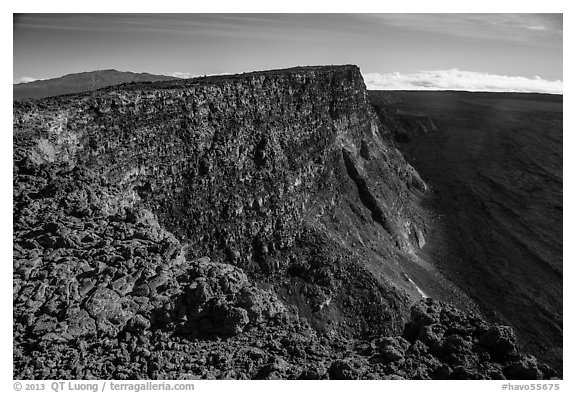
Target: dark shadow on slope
{"type": "Point", "coordinates": [495, 172]}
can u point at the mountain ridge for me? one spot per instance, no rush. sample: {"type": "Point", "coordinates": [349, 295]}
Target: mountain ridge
{"type": "Point", "coordinates": [81, 82]}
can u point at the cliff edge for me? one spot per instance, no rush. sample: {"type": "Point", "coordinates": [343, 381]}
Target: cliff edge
{"type": "Point", "coordinates": [271, 210]}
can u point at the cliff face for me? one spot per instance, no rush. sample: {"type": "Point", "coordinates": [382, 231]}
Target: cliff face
{"type": "Point", "coordinates": [403, 125]}
{"type": "Point", "coordinates": [271, 204]}
{"type": "Point", "coordinates": [244, 170]}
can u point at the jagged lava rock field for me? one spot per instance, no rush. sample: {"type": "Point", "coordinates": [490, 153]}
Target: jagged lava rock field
{"type": "Point", "coordinates": [254, 226]}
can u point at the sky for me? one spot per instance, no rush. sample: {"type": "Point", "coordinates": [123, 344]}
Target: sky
{"type": "Point", "coordinates": [493, 52]}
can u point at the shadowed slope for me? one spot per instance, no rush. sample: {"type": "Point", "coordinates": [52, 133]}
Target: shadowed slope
{"type": "Point", "coordinates": [495, 170]}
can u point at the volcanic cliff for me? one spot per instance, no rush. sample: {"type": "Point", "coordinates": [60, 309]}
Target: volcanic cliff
{"type": "Point", "coordinates": [261, 225]}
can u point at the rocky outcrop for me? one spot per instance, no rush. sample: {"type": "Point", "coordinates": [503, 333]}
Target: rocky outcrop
{"type": "Point", "coordinates": [256, 170]}
{"type": "Point", "coordinates": [92, 268]}
{"type": "Point", "coordinates": [441, 342]}
{"type": "Point", "coordinates": [252, 226]}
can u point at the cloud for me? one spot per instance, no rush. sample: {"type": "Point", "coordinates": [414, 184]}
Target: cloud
{"type": "Point", "coordinates": [529, 29]}
{"type": "Point", "coordinates": [24, 79]}
{"type": "Point", "coordinates": [460, 80]}
{"type": "Point", "coordinates": [183, 75]}
{"type": "Point", "coordinates": [538, 27]}
{"type": "Point", "coordinates": [187, 75]}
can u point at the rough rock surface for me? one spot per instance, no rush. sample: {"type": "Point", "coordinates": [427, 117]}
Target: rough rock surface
{"type": "Point", "coordinates": [253, 226]}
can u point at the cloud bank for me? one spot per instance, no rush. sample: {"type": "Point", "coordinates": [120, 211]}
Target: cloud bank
{"type": "Point", "coordinates": [460, 80]}
{"type": "Point", "coordinates": [24, 79]}
{"type": "Point", "coordinates": [183, 75]}
{"type": "Point", "coordinates": [188, 75]}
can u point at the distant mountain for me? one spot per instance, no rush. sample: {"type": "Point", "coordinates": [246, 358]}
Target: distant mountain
{"type": "Point", "coordinates": [81, 82]}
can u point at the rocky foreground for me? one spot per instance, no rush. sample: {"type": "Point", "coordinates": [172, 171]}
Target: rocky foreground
{"type": "Point", "coordinates": [249, 227]}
